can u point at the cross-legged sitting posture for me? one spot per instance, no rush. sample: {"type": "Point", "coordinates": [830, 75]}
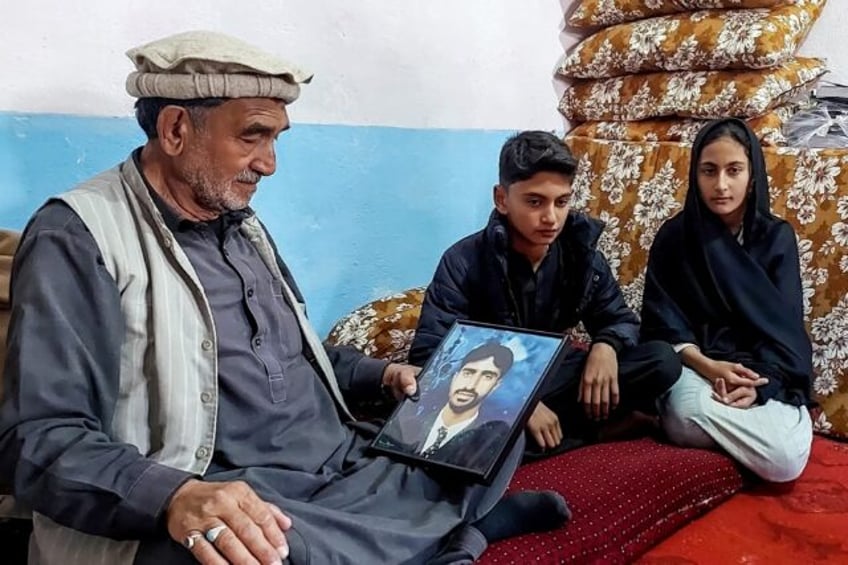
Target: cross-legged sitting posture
{"type": "Point", "coordinates": [536, 265]}
{"type": "Point", "coordinates": [723, 285]}
{"type": "Point", "coordinates": [167, 400]}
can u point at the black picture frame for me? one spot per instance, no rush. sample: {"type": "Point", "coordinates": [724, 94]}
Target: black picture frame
{"type": "Point", "coordinates": [467, 365]}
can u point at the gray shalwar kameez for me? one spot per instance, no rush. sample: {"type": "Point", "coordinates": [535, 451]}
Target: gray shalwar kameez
{"type": "Point", "coordinates": [278, 426]}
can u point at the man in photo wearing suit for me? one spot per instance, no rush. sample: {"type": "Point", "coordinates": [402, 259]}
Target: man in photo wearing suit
{"type": "Point", "coordinates": [455, 434]}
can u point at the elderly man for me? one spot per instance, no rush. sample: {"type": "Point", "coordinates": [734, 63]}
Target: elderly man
{"type": "Point", "coordinates": [167, 399]}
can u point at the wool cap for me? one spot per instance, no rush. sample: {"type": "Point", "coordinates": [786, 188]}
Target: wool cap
{"type": "Point", "coordinates": [206, 64]}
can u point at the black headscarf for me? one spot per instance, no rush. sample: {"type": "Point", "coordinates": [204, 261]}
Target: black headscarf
{"type": "Point", "coordinates": [740, 303]}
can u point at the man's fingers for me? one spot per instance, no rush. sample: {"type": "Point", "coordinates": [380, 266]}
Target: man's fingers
{"type": "Point", "coordinates": [284, 523]}
{"type": "Point", "coordinates": [234, 550]}
{"type": "Point", "coordinates": [283, 519]}
{"type": "Point", "coordinates": [400, 379]}
{"type": "Point", "coordinates": [258, 529]}
{"type": "Point", "coordinates": [206, 554]}
{"type": "Point", "coordinates": [408, 384]}
{"type": "Point", "coordinates": [255, 527]}
{"type": "Point", "coordinates": [558, 432]}
{"type": "Point", "coordinates": [228, 522]}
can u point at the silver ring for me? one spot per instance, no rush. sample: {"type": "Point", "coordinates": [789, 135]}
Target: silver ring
{"type": "Point", "coordinates": [191, 539]}
{"type": "Point", "coordinates": [212, 533]}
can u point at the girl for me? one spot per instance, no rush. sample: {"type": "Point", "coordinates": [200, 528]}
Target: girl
{"type": "Point", "coordinates": [723, 286]}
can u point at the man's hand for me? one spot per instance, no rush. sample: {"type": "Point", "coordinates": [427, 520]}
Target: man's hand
{"type": "Point", "coordinates": [733, 375]}
{"type": "Point", "coordinates": [400, 379]}
{"type": "Point", "coordinates": [599, 383]}
{"type": "Point", "coordinates": [254, 528]}
{"type": "Point", "coordinates": [543, 425]}
{"type": "Point", "coordinates": [740, 397]}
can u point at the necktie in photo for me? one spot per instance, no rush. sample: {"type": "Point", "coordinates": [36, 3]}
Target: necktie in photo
{"type": "Point", "coordinates": [440, 437]}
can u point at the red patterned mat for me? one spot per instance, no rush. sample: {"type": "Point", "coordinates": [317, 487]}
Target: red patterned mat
{"type": "Point", "coordinates": [625, 497]}
{"type": "Point", "coordinates": [805, 522]}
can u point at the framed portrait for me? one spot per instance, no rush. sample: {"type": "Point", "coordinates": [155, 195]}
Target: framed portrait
{"type": "Point", "coordinates": [474, 397]}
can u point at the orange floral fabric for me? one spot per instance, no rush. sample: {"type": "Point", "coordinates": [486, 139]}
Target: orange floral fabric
{"type": "Point", "coordinates": [768, 128]}
{"type": "Point", "coordinates": [695, 41]}
{"type": "Point", "coordinates": [697, 94]}
{"type": "Point", "coordinates": [8, 245]}
{"type": "Point", "coordinates": [591, 13]}
{"type": "Point", "coordinates": [383, 328]}
{"type": "Point", "coordinates": [635, 187]}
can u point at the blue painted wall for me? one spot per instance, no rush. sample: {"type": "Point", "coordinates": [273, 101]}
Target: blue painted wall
{"type": "Point", "coordinates": [356, 211]}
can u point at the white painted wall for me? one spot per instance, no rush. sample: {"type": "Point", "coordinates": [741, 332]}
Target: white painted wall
{"type": "Point", "coordinates": [429, 63]}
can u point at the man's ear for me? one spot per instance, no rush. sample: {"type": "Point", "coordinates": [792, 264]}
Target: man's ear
{"type": "Point", "coordinates": [173, 127]}
{"type": "Point", "coordinates": [499, 196]}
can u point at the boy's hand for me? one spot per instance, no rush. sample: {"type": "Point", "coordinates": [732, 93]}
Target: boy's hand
{"type": "Point", "coordinates": [599, 384]}
{"type": "Point", "coordinates": [544, 426]}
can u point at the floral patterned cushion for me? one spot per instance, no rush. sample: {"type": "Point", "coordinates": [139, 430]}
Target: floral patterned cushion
{"type": "Point", "coordinates": [8, 245]}
{"type": "Point", "coordinates": [383, 328]}
{"type": "Point", "coordinates": [635, 187]}
{"type": "Point", "coordinates": [767, 127]}
{"type": "Point", "coordinates": [591, 13]}
{"type": "Point", "coordinates": [697, 94]}
{"type": "Point", "coordinates": [695, 41]}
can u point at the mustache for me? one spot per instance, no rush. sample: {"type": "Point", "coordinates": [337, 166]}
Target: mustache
{"type": "Point", "coordinates": [466, 391]}
{"type": "Point", "coordinates": [248, 176]}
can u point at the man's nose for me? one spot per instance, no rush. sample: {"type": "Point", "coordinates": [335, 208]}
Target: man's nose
{"type": "Point", "coordinates": [265, 162]}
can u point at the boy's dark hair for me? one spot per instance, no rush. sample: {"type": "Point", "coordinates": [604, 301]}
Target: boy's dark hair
{"type": "Point", "coordinates": [530, 152]}
{"type": "Point", "coordinates": [147, 111]}
{"type": "Point", "coordinates": [501, 356]}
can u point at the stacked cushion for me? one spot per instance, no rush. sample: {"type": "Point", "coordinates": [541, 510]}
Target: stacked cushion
{"type": "Point", "coordinates": [695, 94]}
{"type": "Point", "coordinates": [659, 61]}
{"type": "Point", "coordinates": [768, 127]}
{"type": "Point", "coordinates": [8, 245]}
{"type": "Point", "coordinates": [695, 41]}
{"type": "Point", "coordinates": [591, 13]}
